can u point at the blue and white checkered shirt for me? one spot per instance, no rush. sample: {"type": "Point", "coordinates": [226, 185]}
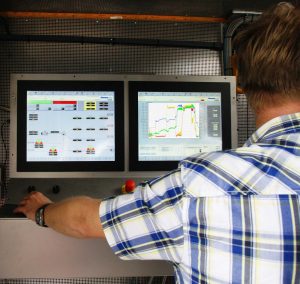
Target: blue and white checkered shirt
{"type": "Point", "coordinates": [222, 217]}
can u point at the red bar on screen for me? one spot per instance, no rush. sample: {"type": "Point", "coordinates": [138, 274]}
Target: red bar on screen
{"type": "Point", "coordinates": [64, 102]}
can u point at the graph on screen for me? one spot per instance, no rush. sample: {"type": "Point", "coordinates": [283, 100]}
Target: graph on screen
{"type": "Point", "coordinates": [173, 120]}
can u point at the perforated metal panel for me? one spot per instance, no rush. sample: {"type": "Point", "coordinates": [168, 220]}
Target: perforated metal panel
{"type": "Point", "coordinates": [246, 120]}
{"type": "Point", "coordinates": [212, 8]}
{"type": "Point", "coordinates": [123, 280]}
{"type": "Point", "coordinates": [156, 7]}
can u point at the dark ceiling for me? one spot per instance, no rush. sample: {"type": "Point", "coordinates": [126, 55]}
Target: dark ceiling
{"type": "Point", "coordinates": [197, 8]}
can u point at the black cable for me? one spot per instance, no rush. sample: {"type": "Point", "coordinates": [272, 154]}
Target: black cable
{"type": "Point", "coordinates": [3, 108]}
{"type": "Point", "coordinates": [2, 193]}
{"type": "Point", "coordinates": [218, 46]}
{"type": "Point", "coordinates": [3, 21]}
{"type": "Point", "coordinates": [3, 141]}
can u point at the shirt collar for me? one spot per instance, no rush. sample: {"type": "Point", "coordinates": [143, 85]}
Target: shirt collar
{"type": "Point", "coordinates": [276, 127]}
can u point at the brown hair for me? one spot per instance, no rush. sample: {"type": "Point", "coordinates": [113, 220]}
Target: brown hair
{"type": "Point", "coordinates": [268, 56]}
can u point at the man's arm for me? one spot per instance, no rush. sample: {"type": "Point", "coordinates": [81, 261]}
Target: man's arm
{"type": "Point", "coordinates": [76, 217]}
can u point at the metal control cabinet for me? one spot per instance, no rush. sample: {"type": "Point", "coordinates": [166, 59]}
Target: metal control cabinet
{"type": "Point", "coordinates": [29, 251]}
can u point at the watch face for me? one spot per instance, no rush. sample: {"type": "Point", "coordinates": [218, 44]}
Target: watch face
{"type": "Point", "coordinates": [39, 216]}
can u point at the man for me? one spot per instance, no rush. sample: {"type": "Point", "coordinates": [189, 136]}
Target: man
{"type": "Point", "coordinates": [221, 217]}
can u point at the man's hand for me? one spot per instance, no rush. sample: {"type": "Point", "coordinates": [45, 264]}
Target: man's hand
{"type": "Point", "coordinates": [31, 203]}
{"type": "Point", "coordinates": [76, 217]}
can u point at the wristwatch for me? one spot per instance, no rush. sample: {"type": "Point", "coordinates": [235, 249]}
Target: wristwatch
{"type": "Point", "coordinates": [39, 216]}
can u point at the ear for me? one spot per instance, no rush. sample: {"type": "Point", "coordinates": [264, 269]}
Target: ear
{"type": "Point", "coordinates": [235, 72]}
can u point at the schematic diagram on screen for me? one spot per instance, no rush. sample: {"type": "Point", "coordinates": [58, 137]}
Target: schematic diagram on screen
{"type": "Point", "coordinates": [70, 126]}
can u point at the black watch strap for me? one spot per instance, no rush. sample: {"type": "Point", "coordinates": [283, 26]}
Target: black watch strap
{"type": "Point", "coordinates": [39, 216]}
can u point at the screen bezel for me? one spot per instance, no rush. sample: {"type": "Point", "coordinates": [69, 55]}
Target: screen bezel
{"type": "Point", "coordinates": [68, 85]}
{"type": "Point", "coordinates": [134, 87]}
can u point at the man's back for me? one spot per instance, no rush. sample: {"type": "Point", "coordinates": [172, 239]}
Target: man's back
{"type": "Point", "coordinates": [223, 217]}
{"type": "Point", "coordinates": [245, 226]}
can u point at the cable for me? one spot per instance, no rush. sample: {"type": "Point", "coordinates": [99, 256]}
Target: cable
{"type": "Point", "coordinates": [150, 280]}
{"type": "Point", "coordinates": [3, 108]}
{"type": "Point", "coordinates": [231, 29]}
{"type": "Point", "coordinates": [6, 109]}
{"type": "Point", "coordinates": [3, 141]}
{"type": "Point", "coordinates": [6, 159]}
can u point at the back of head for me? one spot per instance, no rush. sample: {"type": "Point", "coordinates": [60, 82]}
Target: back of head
{"type": "Point", "coordinates": [268, 56]}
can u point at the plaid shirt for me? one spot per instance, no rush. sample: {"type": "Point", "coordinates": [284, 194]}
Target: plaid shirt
{"type": "Point", "coordinates": [221, 217]}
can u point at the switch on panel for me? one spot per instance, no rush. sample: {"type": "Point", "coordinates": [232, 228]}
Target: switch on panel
{"type": "Point", "coordinates": [56, 189]}
{"type": "Point", "coordinates": [31, 188]}
{"type": "Point", "coordinates": [129, 186]}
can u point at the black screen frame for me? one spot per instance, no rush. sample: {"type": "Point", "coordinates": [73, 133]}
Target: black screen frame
{"type": "Point", "coordinates": [173, 86]}
{"type": "Point", "coordinates": [69, 166]}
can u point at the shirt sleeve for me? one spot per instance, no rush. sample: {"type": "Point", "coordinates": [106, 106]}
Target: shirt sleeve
{"type": "Point", "coordinates": [146, 224]}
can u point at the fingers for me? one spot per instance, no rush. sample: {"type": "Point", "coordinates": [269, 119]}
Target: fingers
{"type": "Point", "coordinates": [18, 209]}
{"type": "Point", "coordinates": [37, 196]}
{"type": "Point", "coordinates": [27, 198]}
{"type": "Point", "coordinates": [21, 206]}
{"type": "Point", "coordinates": [22, 203]}
{"type": "Point", "coordinates": [30, 203]}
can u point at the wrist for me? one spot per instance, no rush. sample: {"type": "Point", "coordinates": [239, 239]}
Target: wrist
{"type": "Point", "coordinates": [40, 215]}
